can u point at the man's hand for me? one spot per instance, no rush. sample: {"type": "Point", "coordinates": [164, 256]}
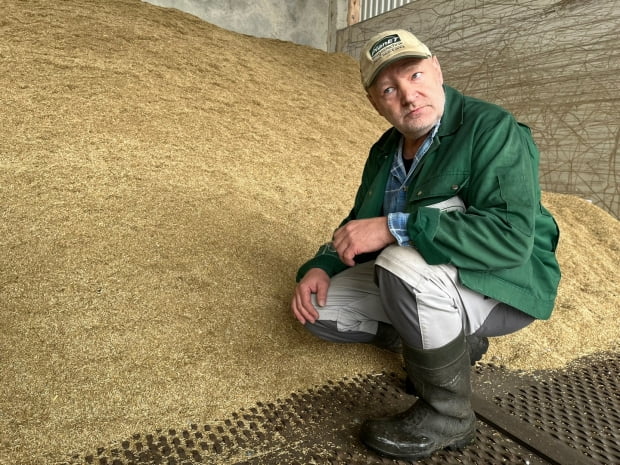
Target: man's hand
{"type": "Point", "coordinates": [361, 236]}
{"type": "Point", "coordinates": [316, 281]}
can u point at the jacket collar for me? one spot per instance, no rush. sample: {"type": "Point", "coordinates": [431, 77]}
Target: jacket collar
{"type": "Point", "coordinates": [452, 117]}
{"type": "Point", "coordinates": [387, 145]}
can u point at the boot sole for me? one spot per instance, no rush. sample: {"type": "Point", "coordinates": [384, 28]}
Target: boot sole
{"type": "Point", "coordinates": [459, 444]}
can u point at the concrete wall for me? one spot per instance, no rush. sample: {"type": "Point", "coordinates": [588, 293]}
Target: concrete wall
{"type": "Point", "coordinates": [306, 22]}
{"type": "Point", "coordinates": [555, 64]}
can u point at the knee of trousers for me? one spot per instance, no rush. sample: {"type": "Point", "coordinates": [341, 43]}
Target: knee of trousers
{"type": "Point", "coordinates": [426, 317]}
{"type": "Point", "coordinates": [404, 271]}
{"type": "Point", "coordinates": [390, 283]}
{"type": "Point", "coordinates": [407, 261]}
{"type": "Point", "coordinates": [396, 296]}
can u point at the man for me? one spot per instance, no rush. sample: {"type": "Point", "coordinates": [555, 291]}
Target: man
{"type": "Point", "coordinates": [447, 244]}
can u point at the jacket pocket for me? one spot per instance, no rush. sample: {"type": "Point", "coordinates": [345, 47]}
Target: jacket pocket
{"type": "Point", "coordinates": [519, 203]}
{"type": "Point", "coordinates": [444, 192]}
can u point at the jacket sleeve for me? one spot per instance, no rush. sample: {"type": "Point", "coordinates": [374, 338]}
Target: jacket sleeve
{"type": "Point", "coordinates": [496, 230]}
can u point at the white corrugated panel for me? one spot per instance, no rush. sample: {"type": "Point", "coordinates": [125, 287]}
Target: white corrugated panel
{"type": "Point", "coordinates": [372, 8]}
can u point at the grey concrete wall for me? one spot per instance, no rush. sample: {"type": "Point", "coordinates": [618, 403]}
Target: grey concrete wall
{"type": "Point", "coordinates": [306, 22]}
{"type": "Point", "coordinates": [554, 63]}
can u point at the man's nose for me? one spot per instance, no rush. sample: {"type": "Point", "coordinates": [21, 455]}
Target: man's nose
{"type": "Point", "coordinates": [409, 94]}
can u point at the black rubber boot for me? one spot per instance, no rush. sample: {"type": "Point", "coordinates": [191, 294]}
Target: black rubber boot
{"type": "Point", "coordinates": [387, 338]}
{"type": "Point", "coordinates": [477, 346]}
{"type": "Point", "coordinates": [441, 418]}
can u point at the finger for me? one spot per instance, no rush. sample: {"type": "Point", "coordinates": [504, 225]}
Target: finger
{"type": "Point", "coordinates": [307, 307]}
{"type": "Point", "coordinates": [321, 295]}
{"type": "Point", "coordinates": [341, 249]}
{"type": "Point", "coordinates": [299, 317]}
{"type": "Point", "coordinates": [338, 237]}
{"type": "Point", "coordinates": [309, 313]}
{"type": "Point", "coordinates": [344, 249]}
{"type": "Point", "coordinates": [348, 257]}
{"type": "Point", "coordinates": [296, 310]}
{"type": "Point", "coordinates": [304, 307]}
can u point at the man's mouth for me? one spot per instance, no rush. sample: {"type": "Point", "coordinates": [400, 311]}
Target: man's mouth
{"type": "Point", "coordinates": [414, 112]}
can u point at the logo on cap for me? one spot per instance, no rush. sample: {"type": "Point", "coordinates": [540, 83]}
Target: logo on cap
{"type": "Point", "coordinates": [387, 41]}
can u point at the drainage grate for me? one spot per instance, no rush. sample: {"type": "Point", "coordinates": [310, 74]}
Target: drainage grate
{"type": "Point", "coordinates": [558, 418]}
{"type": "Point", "coordinates": [577, 408]}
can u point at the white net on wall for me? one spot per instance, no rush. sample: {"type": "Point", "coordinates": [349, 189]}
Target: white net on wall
{"type": "Point", "coordinates": [554, 64]}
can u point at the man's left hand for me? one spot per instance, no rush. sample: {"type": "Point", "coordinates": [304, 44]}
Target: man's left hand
{"type": "Point", "coordinates": [361, 236]}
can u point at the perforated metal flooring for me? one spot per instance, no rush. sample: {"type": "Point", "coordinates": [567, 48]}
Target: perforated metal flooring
{"type": "Point", "coordinates": [567, 417]}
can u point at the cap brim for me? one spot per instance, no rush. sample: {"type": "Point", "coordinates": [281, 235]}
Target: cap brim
{"type": "Point", "coordinates": [395, 58]}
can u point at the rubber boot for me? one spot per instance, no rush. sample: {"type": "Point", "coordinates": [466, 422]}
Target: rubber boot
{"type": "Point", "coordinates": [477, 346]}
{"type": "Point", "coordinates": [387, 338]}
{"type": "Point", "coordinates": [441, 418]}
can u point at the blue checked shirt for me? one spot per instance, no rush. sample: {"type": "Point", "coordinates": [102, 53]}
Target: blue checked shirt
{"type": "Point", "coordinates": [396, 189]}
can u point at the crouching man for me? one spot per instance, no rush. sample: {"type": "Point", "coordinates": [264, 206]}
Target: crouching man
{"type": "Point", "coordinates": [447, 244]}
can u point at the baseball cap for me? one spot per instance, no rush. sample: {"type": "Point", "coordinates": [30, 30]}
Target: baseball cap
{"type": "Point", "coordinates": [387, 47]}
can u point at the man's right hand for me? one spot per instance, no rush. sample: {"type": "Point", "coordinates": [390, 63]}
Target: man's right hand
{"type": "Point", "coordinates": [316, 281]}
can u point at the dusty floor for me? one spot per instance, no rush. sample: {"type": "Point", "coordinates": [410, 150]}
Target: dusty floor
{"type": "Point", "coordinates": [161, 180]}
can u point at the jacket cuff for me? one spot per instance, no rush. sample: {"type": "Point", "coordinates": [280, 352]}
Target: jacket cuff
{"type": "Point", "coordinates": [330, 264]}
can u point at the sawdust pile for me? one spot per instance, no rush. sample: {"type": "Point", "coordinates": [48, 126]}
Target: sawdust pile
{"type": "Point", "coordinates": [161, 180]}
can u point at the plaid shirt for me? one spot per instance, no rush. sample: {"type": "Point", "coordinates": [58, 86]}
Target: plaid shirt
{"type": "Point", "coordinates": [396, 189]}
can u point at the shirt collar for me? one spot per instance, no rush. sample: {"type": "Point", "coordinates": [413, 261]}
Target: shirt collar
{"type": "Point", "coordinates": [423, 148]}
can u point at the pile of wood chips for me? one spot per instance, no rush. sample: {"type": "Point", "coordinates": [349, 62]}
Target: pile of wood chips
{"type": "Point", "coordinates": [161, 181]}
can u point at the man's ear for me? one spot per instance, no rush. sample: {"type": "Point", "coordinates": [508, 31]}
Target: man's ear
{"type": "Point", "coordinates": [438, 67]}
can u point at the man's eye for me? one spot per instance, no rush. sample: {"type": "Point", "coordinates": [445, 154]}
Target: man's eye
{"type": "Point", "coordinates": [388, 90]}
{"type": "Point", "coordinates": [416, 75]}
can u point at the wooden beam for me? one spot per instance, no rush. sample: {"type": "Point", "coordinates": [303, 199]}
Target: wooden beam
{"type": "Point", "coordinates": [353, 16]}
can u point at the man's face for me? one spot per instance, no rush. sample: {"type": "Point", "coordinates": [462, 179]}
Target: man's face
{"type": "Point", "coordinates": [409, 94]}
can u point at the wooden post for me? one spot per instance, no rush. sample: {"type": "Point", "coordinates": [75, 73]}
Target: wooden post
{"type": "Point", "coordinates": [353, 16]}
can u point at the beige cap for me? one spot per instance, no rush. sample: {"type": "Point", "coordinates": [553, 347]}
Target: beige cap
{"type": "Point", "coordinates": [387, 47]}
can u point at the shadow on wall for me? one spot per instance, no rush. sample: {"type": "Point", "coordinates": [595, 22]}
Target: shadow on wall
{"type": "Point", "coordinates": [303, 22]}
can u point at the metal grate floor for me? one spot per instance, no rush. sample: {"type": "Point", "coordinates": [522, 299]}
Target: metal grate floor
{"type": "Point", "coordinates": [567, 417]}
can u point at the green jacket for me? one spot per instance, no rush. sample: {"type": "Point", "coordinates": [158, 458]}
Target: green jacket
{"type": "Point", "coordinates": [504, 243]}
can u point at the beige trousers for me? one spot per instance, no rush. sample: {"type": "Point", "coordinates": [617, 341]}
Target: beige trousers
{"type": "Point", "coordinates": [427, 304]}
